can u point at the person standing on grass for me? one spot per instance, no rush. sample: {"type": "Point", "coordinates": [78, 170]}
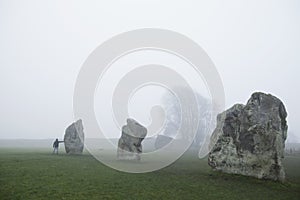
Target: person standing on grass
{"type": "Point", "coordinates": [55, 146]}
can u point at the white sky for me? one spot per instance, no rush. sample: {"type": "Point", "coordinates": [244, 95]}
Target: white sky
{"type": "Point", "coordinates": [255, 46]}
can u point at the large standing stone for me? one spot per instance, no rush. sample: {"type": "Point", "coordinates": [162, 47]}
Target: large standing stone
{"type": "Point", "coordinates": [74, 138]}
{"type": "Point", "coordinates": [161, 141]}
{"type": "Point", "coordinates": [250, 139]}
{"type": "Point", "coordinates": [130, 143]}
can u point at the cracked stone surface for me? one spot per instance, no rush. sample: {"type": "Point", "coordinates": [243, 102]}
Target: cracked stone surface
{"type": "Point", "coordinates": [74, 138]}
{"type": "Point", "coordinates": [250, 138]}
{"type": "Point", "coordinates": [130, 143]}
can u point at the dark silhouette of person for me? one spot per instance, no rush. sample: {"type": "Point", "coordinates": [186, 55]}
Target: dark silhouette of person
{"type": "Point", "coordinates": [55, 146]}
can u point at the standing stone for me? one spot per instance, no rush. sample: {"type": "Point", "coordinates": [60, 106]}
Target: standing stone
{"type": "Point", "coordinates": [74, 138]}
{"type": "Point", "coordinates": [161, 141]}
{"type": "Point", "coordinates": [130, 143]}
{"type": "Point", "coordinates": [250, 139]}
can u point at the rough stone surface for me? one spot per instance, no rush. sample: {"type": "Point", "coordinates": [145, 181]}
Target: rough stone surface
{"type": "Point", "coordinates": [161, 141]}
{"type": "Point", "coordinates": [74, 138]}
{"type": "Point", "coordinates": [250, 139]}
{"type": "Point", "coordinates": [130, 143]}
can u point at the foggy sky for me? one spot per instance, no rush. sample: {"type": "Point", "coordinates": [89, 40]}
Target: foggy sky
{"type": "Point", "coordinates": [254, 45]}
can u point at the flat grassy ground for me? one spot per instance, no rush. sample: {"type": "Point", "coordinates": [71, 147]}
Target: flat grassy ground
{"type": "Point", "coordinates": [36, 174]}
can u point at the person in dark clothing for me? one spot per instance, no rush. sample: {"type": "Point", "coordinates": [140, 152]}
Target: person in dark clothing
{"type": "Point", "coordinates": [55, 146]}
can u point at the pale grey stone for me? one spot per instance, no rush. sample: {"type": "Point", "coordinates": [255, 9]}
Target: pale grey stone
{"type": "Point", "coordinates": [161, 141]}
{"type": "Point", "coordinates": [130, 143]}
{"type": "Point", "coordinates": [74, 138]}
{"type": "Point", "coordinates": [250, 139]}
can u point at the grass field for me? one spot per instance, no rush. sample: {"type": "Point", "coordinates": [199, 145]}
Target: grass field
{"type": "Point", "coordinates": [36, 174]}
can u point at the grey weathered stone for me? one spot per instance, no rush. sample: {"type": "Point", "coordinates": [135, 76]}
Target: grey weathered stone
{"type": "Point", "coordinates": [74, 138]}
{"type": "Point", "coordinates": [161, 141]}
{"type": "Point", "coordinates": [250, 139]}
{"type": "Point", "coordinates": [130, 143]}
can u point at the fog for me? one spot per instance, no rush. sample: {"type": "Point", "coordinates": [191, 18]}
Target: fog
{"type": "Point", "coordinates": [254, 45]}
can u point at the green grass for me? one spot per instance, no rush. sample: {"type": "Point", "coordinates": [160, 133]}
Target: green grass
{"type": "Point", "coordinates": [36, 174]}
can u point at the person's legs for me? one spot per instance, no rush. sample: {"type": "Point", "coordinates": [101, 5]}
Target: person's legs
{"type": "Point", "coordinates": [55, 150]}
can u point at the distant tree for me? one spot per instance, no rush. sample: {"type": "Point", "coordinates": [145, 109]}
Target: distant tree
{"type": "Point", "coordinates": [175, 110]}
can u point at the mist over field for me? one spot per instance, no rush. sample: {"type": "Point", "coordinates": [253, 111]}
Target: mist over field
{"type": "Point", "coordinates": [126, 99]}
